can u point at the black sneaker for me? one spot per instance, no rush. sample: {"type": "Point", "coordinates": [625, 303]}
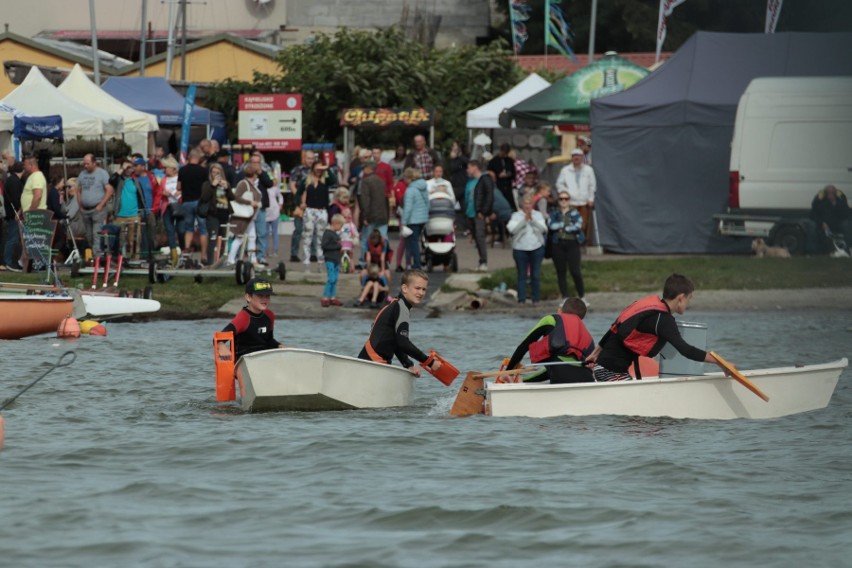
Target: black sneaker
{"type": "Point", "coordinates": [14, 268]}
{"type": "Point", "coordinates": [294, 258]}
{"type": "Point", "coordinates": [313, 258]}
{"type": "Point", "coordinates": [400, 269]}
{"type": "Point", "coordinates": [374, 305]}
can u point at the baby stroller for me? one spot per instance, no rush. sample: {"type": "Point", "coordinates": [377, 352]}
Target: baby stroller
{"type": "Point", "coordinates": [439, 235]}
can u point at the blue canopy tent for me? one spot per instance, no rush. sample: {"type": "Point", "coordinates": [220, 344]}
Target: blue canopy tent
{"type": "Point", "coordinates": [154, 95]}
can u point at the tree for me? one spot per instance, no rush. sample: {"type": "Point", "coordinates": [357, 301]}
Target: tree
{"type": "Point", "coordinates": [356, 68]}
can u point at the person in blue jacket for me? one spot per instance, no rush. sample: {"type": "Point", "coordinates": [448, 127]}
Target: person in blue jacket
{"type": "Point", "coordinates": [415, 213]}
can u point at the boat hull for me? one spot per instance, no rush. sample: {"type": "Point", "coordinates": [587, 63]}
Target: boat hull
{"type": "Point", "coordinates": [791, 390]}
{"type": "Point", "coordinates": [307, 380]}
{"type": "Point", "coordinates": [105, 305]}
{"type": "Point", "coordinates": [24, 315]}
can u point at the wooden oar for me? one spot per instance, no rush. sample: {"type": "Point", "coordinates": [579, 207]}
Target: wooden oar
{"type": "Point", "coordinates": [739, 377]}
{"type": "Point", "coordinates": [507, 372]}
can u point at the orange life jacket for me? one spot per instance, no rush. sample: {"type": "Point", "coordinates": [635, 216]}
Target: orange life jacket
{"type": "Point", "coordinates": [569, 337]}
{"type": "Point", "coordinates": [624, 326]}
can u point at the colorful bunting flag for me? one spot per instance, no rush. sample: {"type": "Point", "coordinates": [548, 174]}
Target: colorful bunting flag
{"type": "Point", "coordinates": [519, 13]}
{"type": "Point", "coordinates": [666, 9]}
{"type": "Point", "coordinates": [557, 32]}
{"type": "Point", "coordinates": [773, 10]}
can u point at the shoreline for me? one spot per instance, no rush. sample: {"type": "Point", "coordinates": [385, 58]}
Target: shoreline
{"type": "Point", "coordinates": [458, 302]}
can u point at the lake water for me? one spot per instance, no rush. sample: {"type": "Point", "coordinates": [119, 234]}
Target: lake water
{"type": "Point", "coordinates": [125, 459]}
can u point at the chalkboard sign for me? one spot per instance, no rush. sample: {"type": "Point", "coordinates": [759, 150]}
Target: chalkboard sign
{"type": "Point", "coordinates": [37, 234]}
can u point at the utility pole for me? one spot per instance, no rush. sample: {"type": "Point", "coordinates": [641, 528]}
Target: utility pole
{"type": "Point", "coordinates": [592, 31]}
{"type": "Point", "coordinates": [142, 48]}
{"type": "Point", "coordinates": [183, 41]}
{"type": "Point", "coordinates": [170, 44]}
{"type": "Point", "coordinates": [95, 59]}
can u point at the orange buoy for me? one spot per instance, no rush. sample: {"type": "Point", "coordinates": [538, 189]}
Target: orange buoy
{"type": "Point", "coordinates": [99, 329]}
{"type": "Point", "coordinates": [69, 328]}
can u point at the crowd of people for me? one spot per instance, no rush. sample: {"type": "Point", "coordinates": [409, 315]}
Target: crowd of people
{"type": "Point", "coordinates": [341, 211]}
{"type": "Point", "coordinates": [223, 213]}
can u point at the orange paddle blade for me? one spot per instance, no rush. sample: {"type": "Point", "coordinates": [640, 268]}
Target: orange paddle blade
{"type": "Point", "coordinates": [471, 397]}
{"type": "Point", "coordinates": [739, 377]}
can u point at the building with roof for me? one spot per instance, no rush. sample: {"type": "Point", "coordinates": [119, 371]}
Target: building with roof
{"type": "Point", "coordinates": [19, 53]}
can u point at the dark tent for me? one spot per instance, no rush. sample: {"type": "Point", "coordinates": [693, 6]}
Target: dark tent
{"type": "Point", "coordinates": [567, 100]}
{"type": "Point", "coordinates": [662, 148]}
{"type": "Point", "coordinates": [154, 95]}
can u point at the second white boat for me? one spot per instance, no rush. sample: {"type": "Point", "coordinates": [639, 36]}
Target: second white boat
{"type": "Point", "coordinates": [308, 380]}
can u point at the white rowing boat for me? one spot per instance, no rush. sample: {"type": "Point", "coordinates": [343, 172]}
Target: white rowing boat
{"type": "Point", "coordinates": [791, 390]}
{"type": "Point", "coordinates": [303, 379]}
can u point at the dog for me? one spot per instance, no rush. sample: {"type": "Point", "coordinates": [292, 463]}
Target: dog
{"type": "Point", "coordinates": [761, 249]}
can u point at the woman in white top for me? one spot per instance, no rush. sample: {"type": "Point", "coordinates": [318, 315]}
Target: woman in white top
{"type": "Point", "coordinates": [528, 228]}
{"type": "Point", "coordinates": [171, 207]}
{"type": "Point", "coordinates": [273, 212]}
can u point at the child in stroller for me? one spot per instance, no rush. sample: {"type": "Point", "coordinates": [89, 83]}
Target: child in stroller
{"type": "Point", "coordinates": [439, 235]}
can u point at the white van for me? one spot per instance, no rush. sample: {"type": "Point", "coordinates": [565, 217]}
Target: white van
{"type": "Point", "coordinates": [792, 137]}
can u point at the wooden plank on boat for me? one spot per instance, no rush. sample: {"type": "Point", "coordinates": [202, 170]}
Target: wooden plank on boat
{"type": "Point", "coordinates": [471, 396]}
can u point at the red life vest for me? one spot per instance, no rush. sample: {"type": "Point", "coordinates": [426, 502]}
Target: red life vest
{"type": "Point", "coordinates": [569, 337]}
{"type": "Point", "coordinates": [625, 325]}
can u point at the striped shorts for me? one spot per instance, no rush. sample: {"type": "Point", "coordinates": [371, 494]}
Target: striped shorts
{"type": "Point", "coordinates": [603, 375]}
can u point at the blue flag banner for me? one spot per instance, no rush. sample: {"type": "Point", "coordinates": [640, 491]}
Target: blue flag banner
{"type": "Point", "coordinates": [519, 13]}
{"type": "Point", "coordinates": [186, 125]}
{"type": "Point", "coordinates": [37, 127]}
{"type": "Point", "coordinates": [557, 32]}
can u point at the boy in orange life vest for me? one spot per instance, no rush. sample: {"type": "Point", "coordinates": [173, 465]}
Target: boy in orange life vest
{"type": "Point", "coordinates": [558, 338]}
{"type": "Point", "coordinates": [389, 335]}
{"type": "Point", "coordinates": [253, 325]}
{"type": "Point", "coordinates": [643, 329]}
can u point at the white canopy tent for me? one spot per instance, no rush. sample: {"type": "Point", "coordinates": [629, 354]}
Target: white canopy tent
{"type": "Point", "coordinates": [7, 117]}
{"type": "Point", "coordinates": [487, 115]}
{"type": "Point", "coordinates": [79, 87]}
{"type": "Point", "coordinates": [37, 97]}
{"type": "Point", "coordinates": [137, 124]}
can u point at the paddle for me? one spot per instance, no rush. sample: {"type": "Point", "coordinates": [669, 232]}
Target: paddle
{"type": "Point", "coordinates": [739, 377]}
{"type": "Point", "coordinates": [60, 363]}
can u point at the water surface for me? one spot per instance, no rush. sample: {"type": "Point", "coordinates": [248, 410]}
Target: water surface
{"type": "Point", "coordinates": [125, 459]}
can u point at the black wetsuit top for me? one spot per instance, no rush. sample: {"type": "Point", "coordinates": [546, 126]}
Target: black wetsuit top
{"type": "Point", "coordinates": [252, 332]}
{"type": "Point", "coordinates": [389, 335]}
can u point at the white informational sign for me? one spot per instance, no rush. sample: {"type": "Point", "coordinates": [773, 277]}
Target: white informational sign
{"type": "Point", "coordinates": [271, 122]}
